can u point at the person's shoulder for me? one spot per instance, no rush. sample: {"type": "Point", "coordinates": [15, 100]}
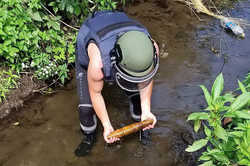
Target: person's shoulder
{"type": "Point", "coordinates": [94, 54]}
{"type": "Point", "coordinates": [95, 61]}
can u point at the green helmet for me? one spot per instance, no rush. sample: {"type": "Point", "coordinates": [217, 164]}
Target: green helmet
{"type": "Point", "coordinates": [137, 53]}
{"type": "Point", "coordinates": [135, 61]}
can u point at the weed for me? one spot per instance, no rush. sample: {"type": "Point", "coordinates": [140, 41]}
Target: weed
{"type": "Point", "coordinates": [7, 81]}
{"type": "Point", "coordinates": [225, 145]}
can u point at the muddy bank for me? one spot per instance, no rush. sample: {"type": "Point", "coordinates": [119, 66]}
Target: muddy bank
{"type": "Point", "coordinates": [17, 97]}
{"type": "Point", "coordinates": [27, 89]}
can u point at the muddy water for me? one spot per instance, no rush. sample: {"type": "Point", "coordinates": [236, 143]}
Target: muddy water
{"type": "Point", "coordinates": [48, 130]}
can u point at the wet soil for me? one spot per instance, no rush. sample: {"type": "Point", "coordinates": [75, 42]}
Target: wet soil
{"type": "Point", "coordinates": [46, 132]}
{"type": "Point", "coordinates": [17, 97]}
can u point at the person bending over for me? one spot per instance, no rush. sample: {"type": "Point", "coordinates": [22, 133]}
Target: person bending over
{"type": "Point", "coordinates": [111, 47]}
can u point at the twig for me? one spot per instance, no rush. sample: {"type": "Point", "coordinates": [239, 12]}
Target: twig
{"type": "Point", "coordinates": [39, 90]}
{"type": "Point", "coordinates": [218, 12]}
{"type": "Point", "coordinates": [59, 19]}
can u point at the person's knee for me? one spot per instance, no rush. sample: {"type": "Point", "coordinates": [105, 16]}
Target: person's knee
{"type": "Point", "coordinates": [88, 121]}
{"type": "Point", "coordinates": [85, 110]}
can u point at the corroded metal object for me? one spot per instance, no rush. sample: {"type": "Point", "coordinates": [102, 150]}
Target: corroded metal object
{"type": "Point", "coordinates": [129, 129]}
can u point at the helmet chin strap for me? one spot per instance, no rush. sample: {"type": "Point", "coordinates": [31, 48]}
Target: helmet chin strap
{"type": "Point", "coordinates": [113, 56]}
{"type": "Point", "coordinates": [116, 54]}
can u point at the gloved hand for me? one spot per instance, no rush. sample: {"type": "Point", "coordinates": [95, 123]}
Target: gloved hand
{"type": "Point", "coordinates": [148, 115]}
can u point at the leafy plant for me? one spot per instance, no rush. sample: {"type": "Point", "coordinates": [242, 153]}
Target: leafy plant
{"type": "Point", "coordinates": [247, 81]}
{"type": "Point", "coordinates": [31, 40]}
{"type": "Point", "coordinates": [7, 81]}
{"type": "Point", "coordinates": [228, 145]}
{"type": "Point", "coordinates": [123, 2]}
{"type": "Point", "coordinates": [81, 8]}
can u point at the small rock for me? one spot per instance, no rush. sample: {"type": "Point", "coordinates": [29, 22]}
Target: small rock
{"type": "Point", "coordinates": [187, 138]}
{"type": "Point", "coordinates": [164, 55]}
{"type": "Point", "coordinates": [16, 124]}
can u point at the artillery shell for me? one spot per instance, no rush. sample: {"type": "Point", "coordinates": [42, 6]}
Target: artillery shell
{"type": "Point", "coordinates": [129, 129]}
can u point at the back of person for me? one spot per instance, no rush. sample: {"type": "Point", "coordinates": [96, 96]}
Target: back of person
{"type": "Point", "coordinates": [113, 47]}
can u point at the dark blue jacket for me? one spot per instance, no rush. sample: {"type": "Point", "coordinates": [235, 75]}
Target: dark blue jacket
{"type": "Point", "coordinates": [104, 28]}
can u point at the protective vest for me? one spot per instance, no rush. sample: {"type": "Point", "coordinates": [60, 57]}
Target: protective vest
{"type": "Point", "coordinates": [104, 28]}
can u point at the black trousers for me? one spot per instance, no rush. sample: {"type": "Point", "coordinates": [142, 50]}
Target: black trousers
{"type": "Point", "coordinates": [88, 121]}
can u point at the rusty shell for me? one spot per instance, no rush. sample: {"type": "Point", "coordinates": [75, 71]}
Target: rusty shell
{"type": "Point", "coordinates": [129, 129]}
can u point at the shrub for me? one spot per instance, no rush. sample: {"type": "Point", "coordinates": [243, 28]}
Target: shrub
{"type": "Point", "coordinates": [7, 81]}
{"type": "Point", "coordinates": [33, 41]}
{"type": "Point", "coordinates": [229, 145]}
{"type": "Point", "coordinates": [80, 9]}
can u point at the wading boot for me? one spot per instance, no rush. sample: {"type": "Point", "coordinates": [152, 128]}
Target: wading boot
{"type": "Point", "coordinates": [145, 137]}
{"type": "Point", "coordinates": [86, 145]}
{"type": "Point", "coordinates": [135, 107]}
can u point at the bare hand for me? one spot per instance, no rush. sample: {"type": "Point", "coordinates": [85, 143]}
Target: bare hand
{"type": "Point", "coordinates": [107, 130]}
{"type": "Point", "coordinates": [148, 115]}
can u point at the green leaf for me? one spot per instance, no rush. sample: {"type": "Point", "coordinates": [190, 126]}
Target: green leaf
{"type": "Point", "coordinates": [197, 125]}
{"type": "Point", "coordinates": [207, 131]}
{"type": "Point", "coordinates": [220, 156]}
{"type": "Point", "coordinates": [208, 163]}
{"type": "Point", "coordinates": [198, 115]}
{"type": "Point", "coordinates": [240, 101]}
{"type": "Point", "coordinates": [36, 16]}
{"type": "Point", "coordinates": [55, 9]}
{"type": "Point", "coordinates": [244, 114]}
{"type": "Point", "coordinates": [236, 134]}
{"type": "Point", "coordinates": [244, 162]}
{"type": "Point", "coordinates": [228, 97]}
{"type": "Point", "coordinates": [204, 157]}
{"type": "Point", "coordinates": [220, 133]}
{"type": "Point", "coordinates": [207, 94]}
{"type": "Point", "coordinates": [70, 9]}
{"type": "Point", "coordinates": [52, 3]}
{"type": "Point", "coordinates": [77, 10]}
{"type": "Point", "coordinates": [55, 25]}
{"type": "Point", "coordinates": [209, 108]}
{"type": "Point", "coordinates": [217, 87]}
{"type": "Point", "coordinates": [197, 145]}
{"type": "Point", "coordinates": [242, 87]}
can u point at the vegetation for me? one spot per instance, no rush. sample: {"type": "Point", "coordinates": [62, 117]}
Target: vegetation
{"type": "Point", "coordinates": [35, 38]}
{"type": "Point", "coordinates": [78, 10]}
{"type": "Point", "coordinates": [7, 81]}
{"type": "Point", "coordinates": [226, 144]}
{"type": "Point", "coordinates": [247, 82]}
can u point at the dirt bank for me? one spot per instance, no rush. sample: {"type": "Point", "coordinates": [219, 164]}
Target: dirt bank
{"type": "Point", "coordinates": [17, 97]}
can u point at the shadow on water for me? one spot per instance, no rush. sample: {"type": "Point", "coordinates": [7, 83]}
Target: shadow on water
{"type": "Point", "coordinates": [49, 128]}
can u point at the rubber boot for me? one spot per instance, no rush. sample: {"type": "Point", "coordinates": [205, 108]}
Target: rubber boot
{"type": "Point", "coordinates": [85, 147]}
{"type": "Point", "coordinates": [135, 107]}
{"type": "Point", "coordinates": [145, 137]}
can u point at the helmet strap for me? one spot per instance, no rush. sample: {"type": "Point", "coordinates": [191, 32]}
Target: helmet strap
{"type": "Point", "coordinates": [118, 53]}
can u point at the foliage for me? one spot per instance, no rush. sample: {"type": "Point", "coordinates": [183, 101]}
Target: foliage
{"type": "Point", "coordinates": [7, 81]}
{"type": "Point", "coordinates": [226, 145]}
{"type": "Point", "coordinates": [81, 8]}
{"type": "Point", "coordinates": [33, 41]}
{"type": "Point", "coordinates": [123, 2]}
{"type": "Point", "coordinates": [247, 81]}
